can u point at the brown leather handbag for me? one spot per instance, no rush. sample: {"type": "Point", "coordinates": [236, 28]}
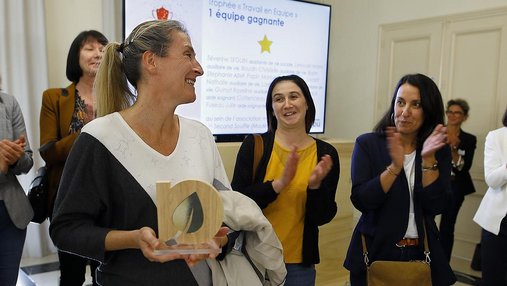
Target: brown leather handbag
{"type": "Point", "coordinates": [398, 273]}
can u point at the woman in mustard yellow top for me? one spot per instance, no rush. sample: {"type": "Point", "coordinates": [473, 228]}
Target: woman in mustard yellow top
{"type": "Point", "coordinates": [296, 178]}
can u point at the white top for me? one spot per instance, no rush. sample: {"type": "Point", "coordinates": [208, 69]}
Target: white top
{"type": "Point", "coordinates": [409, 167]}
{"type": "Point", "coordinates": [493, 207]}
{"type": "Point", "coordinates": [194, 150]}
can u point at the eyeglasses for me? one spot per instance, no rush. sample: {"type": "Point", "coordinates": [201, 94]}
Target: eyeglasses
{"type": "Point", "coordinates": [449, 112]}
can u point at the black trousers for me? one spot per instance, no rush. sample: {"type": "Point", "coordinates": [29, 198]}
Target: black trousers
{"type": "Point", "coordinates": [73, 269]}
{"type": "Point", "coordinates": [454, 200]}
{"type": "Point", "coordinates": [494, 257]}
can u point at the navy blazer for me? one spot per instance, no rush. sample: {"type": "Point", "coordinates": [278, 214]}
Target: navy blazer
{"type": "Point", "coordinates": [385, 216]}
{"type": "Point", "coordinates": [462, 180]}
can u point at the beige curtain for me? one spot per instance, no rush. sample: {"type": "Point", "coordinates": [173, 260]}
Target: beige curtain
{"type": "Point", "coordinates": [25, 74]}
{"type": "Point", "coordinates": [23, 67]}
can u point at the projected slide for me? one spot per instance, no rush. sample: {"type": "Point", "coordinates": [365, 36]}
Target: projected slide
{"type": "Point", "coordinates": [243, 46]}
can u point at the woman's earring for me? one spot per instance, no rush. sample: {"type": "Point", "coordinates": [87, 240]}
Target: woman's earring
{"type": "Point", "coordinates": [392, 118]}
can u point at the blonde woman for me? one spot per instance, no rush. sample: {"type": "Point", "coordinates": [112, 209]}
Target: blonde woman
{"type": "Point", "coordinates": [105, 206]}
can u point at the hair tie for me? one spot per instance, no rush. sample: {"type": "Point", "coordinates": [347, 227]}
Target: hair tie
{"type": "Point", "coordinates": [120, 48]}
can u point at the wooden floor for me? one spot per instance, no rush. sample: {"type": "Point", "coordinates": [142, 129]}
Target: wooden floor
{"type": "Point", "coordinates": [334, 239]}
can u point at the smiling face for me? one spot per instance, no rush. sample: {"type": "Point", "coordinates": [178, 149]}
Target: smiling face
{"type": "Point", "coordinates": [289, 105]}
{"type": "Point", "coordinates": [90, 56]}
{"type": "Point", "coordinates": [408, 111]}
{"type": "Point", "coordinates": [180, 68]}
{"type": "Point", "coordinates": [455, 115]}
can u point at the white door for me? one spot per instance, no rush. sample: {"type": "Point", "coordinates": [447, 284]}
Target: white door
{"type": "Point", "coordinates": [475, 68]}
{"type": "Point", "coordinates": [406, 48]}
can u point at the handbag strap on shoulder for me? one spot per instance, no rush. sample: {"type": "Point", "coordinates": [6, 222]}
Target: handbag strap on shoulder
{"type": "Point", "coordinates": [426, 247]}
{"type": "Point", "coordinates": [258, 150]}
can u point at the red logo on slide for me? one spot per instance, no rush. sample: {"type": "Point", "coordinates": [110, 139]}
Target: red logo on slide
{"type": "Point", "coordinates": [160, 13]}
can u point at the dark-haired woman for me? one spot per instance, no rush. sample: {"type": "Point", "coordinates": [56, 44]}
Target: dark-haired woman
{"type": "Point", "coordinates": [64, 112]}
{"type": "Point", "coordinates": [296, 178]}
{"type": "Point", "coordinates": [400, 173]}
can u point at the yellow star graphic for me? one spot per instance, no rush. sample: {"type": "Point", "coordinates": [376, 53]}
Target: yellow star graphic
{"type": "Point", "coordinates": [265, 45]}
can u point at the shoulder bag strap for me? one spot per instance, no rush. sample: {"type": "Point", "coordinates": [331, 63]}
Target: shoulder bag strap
{"type": "Point", "coordinates": [426, 247]}
{"type": "Point", "coordinates": [247, 256]}
{"type": "Point", "coordinates": [258, 150]}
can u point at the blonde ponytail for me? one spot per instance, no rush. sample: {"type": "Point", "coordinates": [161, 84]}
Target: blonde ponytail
{"type": "Point", "coordinates": [111, 88]}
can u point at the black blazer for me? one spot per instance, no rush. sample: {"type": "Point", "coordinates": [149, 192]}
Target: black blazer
{"type": "Point", "coordinates": [320, 204]}
{"type": "Point", "coordinates": [462, 180]}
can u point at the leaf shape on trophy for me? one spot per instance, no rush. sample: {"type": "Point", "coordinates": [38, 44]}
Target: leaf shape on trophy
{"type": "Point", "coordinates": [189, 214]}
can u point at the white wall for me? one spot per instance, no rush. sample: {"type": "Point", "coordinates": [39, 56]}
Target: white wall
{"type": "Point", "coordinates": [354, 49]}
{"type": "Point", "coordinates": [64, 21]}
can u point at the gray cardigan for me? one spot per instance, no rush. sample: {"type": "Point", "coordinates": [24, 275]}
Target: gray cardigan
{"type": "Point", "coordinates": [12, 126]}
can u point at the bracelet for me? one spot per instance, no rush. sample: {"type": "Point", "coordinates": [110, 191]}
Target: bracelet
{"type": "Point", "coordinates": [434, 167]}
{"type": "Point", "coordinates": [390, 171]}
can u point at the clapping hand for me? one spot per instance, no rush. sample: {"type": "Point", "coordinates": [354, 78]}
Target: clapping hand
{"type": "Point", "coordinates": [435, 141]}
{"type": "Point", "coordinates": [3, 165]}
{"type": "Point", "coordinates": [10, 152]}
{"type": "Point", "coordinates": [320, 172]}
{"type": "Point", "coordinates": [288, 172]}
{"type": "Point", "coordinates": [395, 147]}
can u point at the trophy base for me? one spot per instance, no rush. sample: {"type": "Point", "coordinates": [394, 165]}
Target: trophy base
{"type": "Point", "coordinates": [187, 251]}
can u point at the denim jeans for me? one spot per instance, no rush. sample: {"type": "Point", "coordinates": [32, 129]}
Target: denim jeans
{"type": "Point", "coordinates": [300, 274]}
{"type": "Point", "coordinates": [12, 240]}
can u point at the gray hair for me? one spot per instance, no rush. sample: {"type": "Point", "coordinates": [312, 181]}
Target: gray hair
{"type": "Point", "coordinates": [463, 104]}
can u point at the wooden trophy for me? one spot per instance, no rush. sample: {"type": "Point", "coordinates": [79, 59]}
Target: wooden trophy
{"type": "Point", "coordinates": [190, 213]}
